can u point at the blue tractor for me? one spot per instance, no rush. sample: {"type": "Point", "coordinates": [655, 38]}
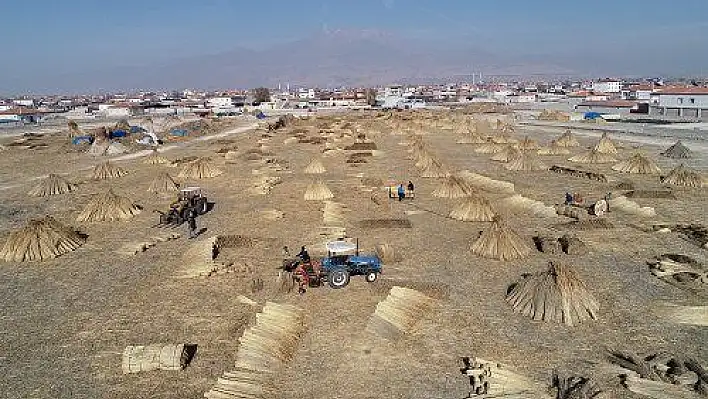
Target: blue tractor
{"type": "Point", "coordinates": [342, 261]}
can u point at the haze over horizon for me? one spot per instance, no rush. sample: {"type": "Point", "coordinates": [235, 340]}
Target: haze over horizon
{"type": "Point", "coordinates": [88, 46]}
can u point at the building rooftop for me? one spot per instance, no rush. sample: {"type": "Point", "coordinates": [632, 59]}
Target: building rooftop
{"type": "Point", "coordinates": [684, 90]}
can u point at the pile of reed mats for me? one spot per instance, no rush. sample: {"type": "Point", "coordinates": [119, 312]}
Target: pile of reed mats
{"type": "Point", "coordinates": [679, 314]}
{"type": "Point", "coordinates": [606, 145]}
{"type": "Point", "coordinates": [637, 164]}
{"type": "Point", "coordinates": [474, 208]}
{"type": "Point", "coordinates": [318, 191]}
{"type": "Point", "coordinates": [556, 295]}
{"type": "Point", "coordinates": [622, 204]}
{"type": "Point", "coordinates": [385, 224]}
{"type": "Point", "coordinates": [528, 145]}
{"type": "Point", "coordinates": [578, 173]}
{"type": "Point", "coordinates": [398, 314]}
{"type": "Point", "coordinates": [567, 139]}
{"type": "Point", "coordinates": [315, 167]}
{"type": "Point", "coordinates": [41, 239]}
{"type": "Point", "coordinates": [163, 184]}
{"type": "Point", "coordinates": [107, 170]}
{"type": "Point", "coordinates": [664, 194]}
{"type": "Point", "coordinates": [486, 183]}
{"type": "Point", "coordinates": [500, 242]}
{"type": "Point", "coordinates": [264, 350]}
{"type": "Point", "coordinates": [495, 380]}
{"type": "Point", "coordinates": [52, 185]}
{"type": "Point", "coordinates": [685, 177]}
{"type": "Point", "coordinates": [519, 204]}
{"type": "Point", "coordinates": [661, 375]}
{"type": "Point", "coordinates": [200, 168]}
{"type": "Point", "coordinates": [173, 357]}
{"type": "Point", "coordinates": [593, 157]}
{"type": "Point", "coordinates": [108, 206]}
{"type": "Point", "coordinates": [677, 151]}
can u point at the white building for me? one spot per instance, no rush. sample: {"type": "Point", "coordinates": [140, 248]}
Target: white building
{"type": "Point", "coordinates": [393, 91]}
{"type": "Point", "coordinates": [219, 102]}
{"type": "Point", "coordinates": [607, 86]}
{"type": "Point", "coordinates": [24, 103]}
{"type": "Point", "coordinates": [306, 94]}
{"type": "Point", "coordinates": [687, 102]}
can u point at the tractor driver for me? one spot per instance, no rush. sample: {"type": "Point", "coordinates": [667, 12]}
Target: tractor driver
{"type": "Point", "coordinates": [303, 255]}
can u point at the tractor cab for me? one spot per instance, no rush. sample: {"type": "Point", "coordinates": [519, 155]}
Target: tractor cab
{"type": "Point", "coordinates": [189, 193]}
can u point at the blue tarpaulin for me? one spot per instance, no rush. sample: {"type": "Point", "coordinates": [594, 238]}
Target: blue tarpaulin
{"type": "Point", "coordinates": [178, 132]}
{"type": "Point", "coordinates": [260, 115]}
{"type": "Point", "coordinates": [592, 115]}
{"type": "Point", "coordinates": [137, 129]}
{"type": "Point", "coordinates": [81, 139]}
{"type": "Point", "coordinates": [118, 133]}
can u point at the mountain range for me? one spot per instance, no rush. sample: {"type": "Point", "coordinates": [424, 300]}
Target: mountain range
{"type": "Point", "coordinates": [337, 58]}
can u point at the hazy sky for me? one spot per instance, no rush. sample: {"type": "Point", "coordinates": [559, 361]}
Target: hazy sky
{"type": "Point", "coordinates": [53, 37]}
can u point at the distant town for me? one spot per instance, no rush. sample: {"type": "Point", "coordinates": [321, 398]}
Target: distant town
{"type": "Point", "coordinates": [612, 98]}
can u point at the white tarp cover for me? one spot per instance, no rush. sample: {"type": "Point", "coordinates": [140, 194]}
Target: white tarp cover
{"type": "Point", "coordinates": [340, 246]}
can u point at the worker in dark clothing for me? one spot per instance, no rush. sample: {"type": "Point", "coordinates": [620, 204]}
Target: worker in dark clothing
{"type": "Point", "coordinates": [411, 187]}
{"type": "Point", "coordinates": [303, 255]}
{"type": "Point", "coordinates": [568, 198]}
{"type": "Point", "coordinates": [401, 192]}
{"type": "Point", "coordinates": [192, 222]}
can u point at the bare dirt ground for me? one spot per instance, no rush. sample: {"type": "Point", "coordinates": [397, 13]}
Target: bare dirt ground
{"type": "Point", "coordinates": [65, 322]}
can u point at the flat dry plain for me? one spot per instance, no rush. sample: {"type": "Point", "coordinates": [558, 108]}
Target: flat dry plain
{"type": "Point", "coordinates": [65, 322]}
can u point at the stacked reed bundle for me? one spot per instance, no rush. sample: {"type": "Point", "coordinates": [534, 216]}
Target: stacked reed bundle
{"type": "Point", "coordinates": [163, 184]}
{"type": "Point", "coordinates": [474, 208]}
{"type": "Point", "coordinates": [40, 239]}
{"type": "Point", "coordinates": [107, 170]}
{"type": "Point", "coordinates": [52, 185]}
{"type": "Point", "coordinates": [509, 153]}
{"type": "Point", "coordinates": [683, 176]}
{"type": "Point", "coordinates": [201, 168]}
{"type": "Point", "coordinates": [556, 295]}
{"type": "Point", "coordinates": [638, 164]}
{"type": "Point", "coordinates": [677, 151]}
{"type": "Point", "coordinates": [452, 187]}
{"type": "Point", "coordinates": [315, 167]}
{"type": "Point", "coordinates": [567, 139]}
{"type": "Point", "coordinates": [526, 161]}
{"type": "Point", "coordinates": [108, 206]}
{"type": "Point", "coordinates": [593, 156]}
{"type": "Point", "coordinates": [500, 242]}
{"type": "Point", "coordinates": [398, 314]}
{"type": "Point", "coordinates": [606, 145]}
{"type": "Point", "coordinates": [527, 144]}
{"type": "Point", "coordinates": [264, 350]}
{"type": "Point", "coordinates": [318, 191]}
{"type": "Point", "coordinates": [554, 149]}
{"type": "Point", "coordinates": [156, 159]}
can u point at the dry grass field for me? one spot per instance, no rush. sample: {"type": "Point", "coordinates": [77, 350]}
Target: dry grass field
{"type": "Point", "coordinates": [64, 322]}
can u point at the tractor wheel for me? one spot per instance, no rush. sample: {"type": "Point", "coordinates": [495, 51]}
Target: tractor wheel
{"type": "Point", "coordinates": [338, 278]}
{"type": "Point", "coordinates": [371, 277]}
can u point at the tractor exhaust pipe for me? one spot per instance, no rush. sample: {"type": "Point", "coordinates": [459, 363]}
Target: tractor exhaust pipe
{"type": "Point", "coordinates": [357, 246]}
